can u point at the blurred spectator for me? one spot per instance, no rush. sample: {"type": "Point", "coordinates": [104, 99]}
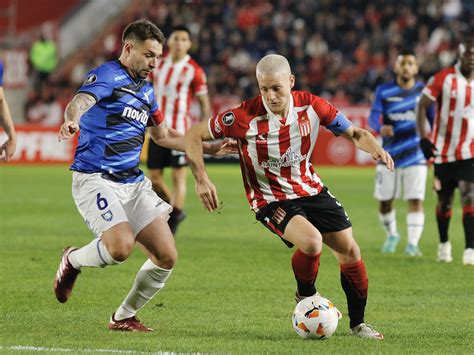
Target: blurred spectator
{"type": "Point", "coordinates": [44, 58]}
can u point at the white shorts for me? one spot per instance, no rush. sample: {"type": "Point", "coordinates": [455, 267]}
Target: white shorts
{"type": "Point", "coordinates": [389, 185]}
{"type": "Point", "coordinates": [104, 203]}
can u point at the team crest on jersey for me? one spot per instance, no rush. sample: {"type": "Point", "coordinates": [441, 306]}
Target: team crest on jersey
{"type": "Point", "coordinates": [228, 118]}
{"type": "Point", "coordinates": [108, 215]}
{"type": "Point", "coordinates": [304, 125]}
{"type": "Point", "coordinates": [90, 79]}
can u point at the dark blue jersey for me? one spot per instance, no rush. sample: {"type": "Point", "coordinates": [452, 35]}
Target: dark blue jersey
{"type": "Point", "coordinates": [395, 106]}
{"type": "Point", "coordinates": [1, 73]}
{"type": "Point", "coordinates": [112, 132]}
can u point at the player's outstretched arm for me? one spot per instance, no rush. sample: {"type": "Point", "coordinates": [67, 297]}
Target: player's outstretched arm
{"type": "Point", "coordinates": [7, 149]}
{"type": "Point", "coordinates": [205, 189]}
{"type": "Point", "coordinates": [427, 147]}
{"type": "Point", "coordinates": [79, 105]}
{"type": "Point", "coordinates": [365, 141]}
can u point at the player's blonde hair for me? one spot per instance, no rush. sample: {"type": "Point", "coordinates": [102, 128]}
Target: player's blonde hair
{"type": "Point", "coordinates": [273, 63]}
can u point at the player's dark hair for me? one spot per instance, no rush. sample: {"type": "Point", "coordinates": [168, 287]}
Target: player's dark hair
{"type": "Point", "coordinates": [142, 30]}
{"type": "Point", "coordinates": [407, 51]}
{"type": "Point", "coordinates": [181, 28]}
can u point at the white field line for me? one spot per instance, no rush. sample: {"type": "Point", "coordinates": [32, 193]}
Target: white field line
{"type": "Point", "coordinates": [79, 350]}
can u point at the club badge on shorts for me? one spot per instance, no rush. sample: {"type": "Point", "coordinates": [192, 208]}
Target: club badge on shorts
{"type": "Point", "coordinates": [304, 125]}
{"type": "Point", "coordinates": [279, 215]}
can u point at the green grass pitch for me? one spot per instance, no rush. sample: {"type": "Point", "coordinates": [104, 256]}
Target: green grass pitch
{"type": "Point", "coordinates": [232, 289]}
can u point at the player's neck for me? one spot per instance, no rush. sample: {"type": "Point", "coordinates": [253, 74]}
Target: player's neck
{"type": "Point", "coordinates": [177, 57]}
{"type": "Point", "coordinates": [130, 72]}
{"type": "Point", "coordinates": [406, 84]}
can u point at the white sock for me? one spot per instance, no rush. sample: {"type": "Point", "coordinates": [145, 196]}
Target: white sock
{"type": "Point", "coordinates": [149, 280]}
{"type": "Point", "coordinates": [94, 254]}
{"type": "Point", "coordinates": [389, 223]}
{"type": "Point", "coordinates": [415, 223]}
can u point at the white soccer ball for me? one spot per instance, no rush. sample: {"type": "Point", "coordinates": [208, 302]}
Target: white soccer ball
{"type": "Point", "coordinates": [315, 317]}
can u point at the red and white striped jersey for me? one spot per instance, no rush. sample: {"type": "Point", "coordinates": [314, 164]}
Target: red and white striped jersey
{"type": "Point", "coordinates": [453, 130]}
{"type": "Point", "coordinates": [275, 154]}
{"type": "Point", "coordinates": [174, 85]}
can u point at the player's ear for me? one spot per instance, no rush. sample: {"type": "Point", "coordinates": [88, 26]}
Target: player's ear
{"type": "Point", "coordinates": [292, 81]}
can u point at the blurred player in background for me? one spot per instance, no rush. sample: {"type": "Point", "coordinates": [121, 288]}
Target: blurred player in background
{"type": "Point", "coordinates": [112, 110]}
{"type": "Point", "coordinates": [7, 149]}
{"type": "Point", "coordinates": [276, 133]}
{"type": "Point", "coordinates": [453, 145]}
{"type": "Point", "coordinates": [176, 80]}
{"type": "Point", "coordinates": [395, 103]}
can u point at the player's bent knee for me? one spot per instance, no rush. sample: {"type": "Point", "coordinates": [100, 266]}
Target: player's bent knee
{"type": "Point", "coordinates": [121, 249]}
{"type": "Point", "coordinates": [311, 245]}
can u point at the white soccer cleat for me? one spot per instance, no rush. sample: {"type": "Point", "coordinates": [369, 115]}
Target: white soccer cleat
{"type": "Point", "coordinates": [444, 252]}
{"type": "Point", "coordinates": [468, 257]}
{"type": "Point", "coordinates": [365, 331]}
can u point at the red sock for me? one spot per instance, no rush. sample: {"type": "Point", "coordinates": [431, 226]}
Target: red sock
{"type": "Point", "coordinates": [305, 268]}
{"type": "Point", "coordinates": [357, 276]}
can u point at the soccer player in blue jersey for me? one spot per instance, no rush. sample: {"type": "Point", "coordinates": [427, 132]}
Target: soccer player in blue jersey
{"type": "Point", "coordinates": [112, 110]}
{"type": "Point", "coordinates": [7, 149]}
{"type": "Point", "coordinates": [393, 116]}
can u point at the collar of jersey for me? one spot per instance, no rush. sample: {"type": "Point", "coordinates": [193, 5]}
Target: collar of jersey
{"type": "Point", "coordinates": [291, 114]}
{"type": "Point", "coordinates": [124, 68]}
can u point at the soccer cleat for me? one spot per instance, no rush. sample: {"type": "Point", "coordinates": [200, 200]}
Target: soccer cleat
{"type": "Point", "coordinates": [468, 256]}
{"type": "Point", "coordinates": [65, 277]}
{"type": "Point", "coordinates": [444, 252]}
{"type": "Point", "coordinates": [175, 219]}
{"type": "Point", "coordinates": [390, 244]}
{"type": "Point", "coordinates": [413, 250]}
{"type": "Point", "coordinates": [131, 324]}
{"type": "Point", "coordinates": [365, 331]}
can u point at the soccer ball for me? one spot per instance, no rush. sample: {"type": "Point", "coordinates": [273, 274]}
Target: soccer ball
{"type": "Point", "coordinates": [315, 317]}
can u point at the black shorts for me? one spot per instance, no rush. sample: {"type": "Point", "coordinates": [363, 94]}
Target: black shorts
{"type": "Point", "coordinates": [159, 157]}
{"type": "Point", "coordinates": [322, 210]}
{"type": "Point", "coordinates": [448, 175]}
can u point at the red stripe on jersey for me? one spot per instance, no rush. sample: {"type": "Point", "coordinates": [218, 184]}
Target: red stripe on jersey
{"type": "Point", "coordinates": [167, 80]}
{"type": "Point", "coordinates": [305, 148]}
{"type": "Point", "coordinates": [285, 143]}
{"type": "Point", "coordinates": [262, 155]}
{"type": "Point", "coordinates": [246, 165]}
{"type": "Point", "coordinates": [176, 100]}
{"type": "Point", "coordinates": [449, 128]}
{"type": "Point", "coordinates": [464, 127]}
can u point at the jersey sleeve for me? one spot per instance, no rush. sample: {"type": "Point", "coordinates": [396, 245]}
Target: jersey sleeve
{"type": "Point", "coordinates": [376, 111]}
{"type": "Point", "coordinates": [225, 124]}
{"type": "Point", "coordinates": [156, 116]}
{"type": "Point", "coordinates": [99, 83]}
{"type": "Point", "coordinates": [199, 83]}
{"type": "Point", "coordinates": [325, 111]}
{"type": "Point", "coordinates": [434, 87]}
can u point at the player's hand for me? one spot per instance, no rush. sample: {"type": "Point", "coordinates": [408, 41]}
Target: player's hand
{"type": "Point", "coordinates": [67, 130]}
{"type": "Point", "coordinates": [207, 193]}
{"type": "Point", "coordinates": [428, 148]}
{"type": "Point", "coordinates": [7, 150]}
{"type": "Point", "coordinates": [386, 130]}
{"type": "Point", "coordinates": [383, 155]}
{"type": "Point", "coordinates": [224, 147]}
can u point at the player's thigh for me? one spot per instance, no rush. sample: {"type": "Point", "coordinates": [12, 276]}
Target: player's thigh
{"type": "Point", "coordinates": [304, 235]}
{"type": "Point", "coordinates": [158, 242]}
{"type": "Point", "coordinates": [414, 182]}
{"type": "Point", "coordinates": [142, 206]}
{"type": "Point", "coordinates": [156, 176]}
{"type": "Point", "coordinates": [343, 245]}
{"type": "Point", "coordinates": [386, 183]}
{"type": "Point", "coordinates": [277, 218]}
{"type": "Point", "coordinates": [97, 201]}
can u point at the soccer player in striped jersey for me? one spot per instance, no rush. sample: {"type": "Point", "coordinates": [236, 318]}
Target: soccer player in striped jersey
{"type": "Point", "coordinates": [177, 79]}
{"type": "Point", "coordinates": [7, 149]}
{"type": "Point", "coordinates": [276, 133]}
{"type": "Point", "coordinates": [112, 109]}
{"type": "Point", "coordinates": [453, 145]}
{"type": "Point", "coordinates": [393, 117]}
